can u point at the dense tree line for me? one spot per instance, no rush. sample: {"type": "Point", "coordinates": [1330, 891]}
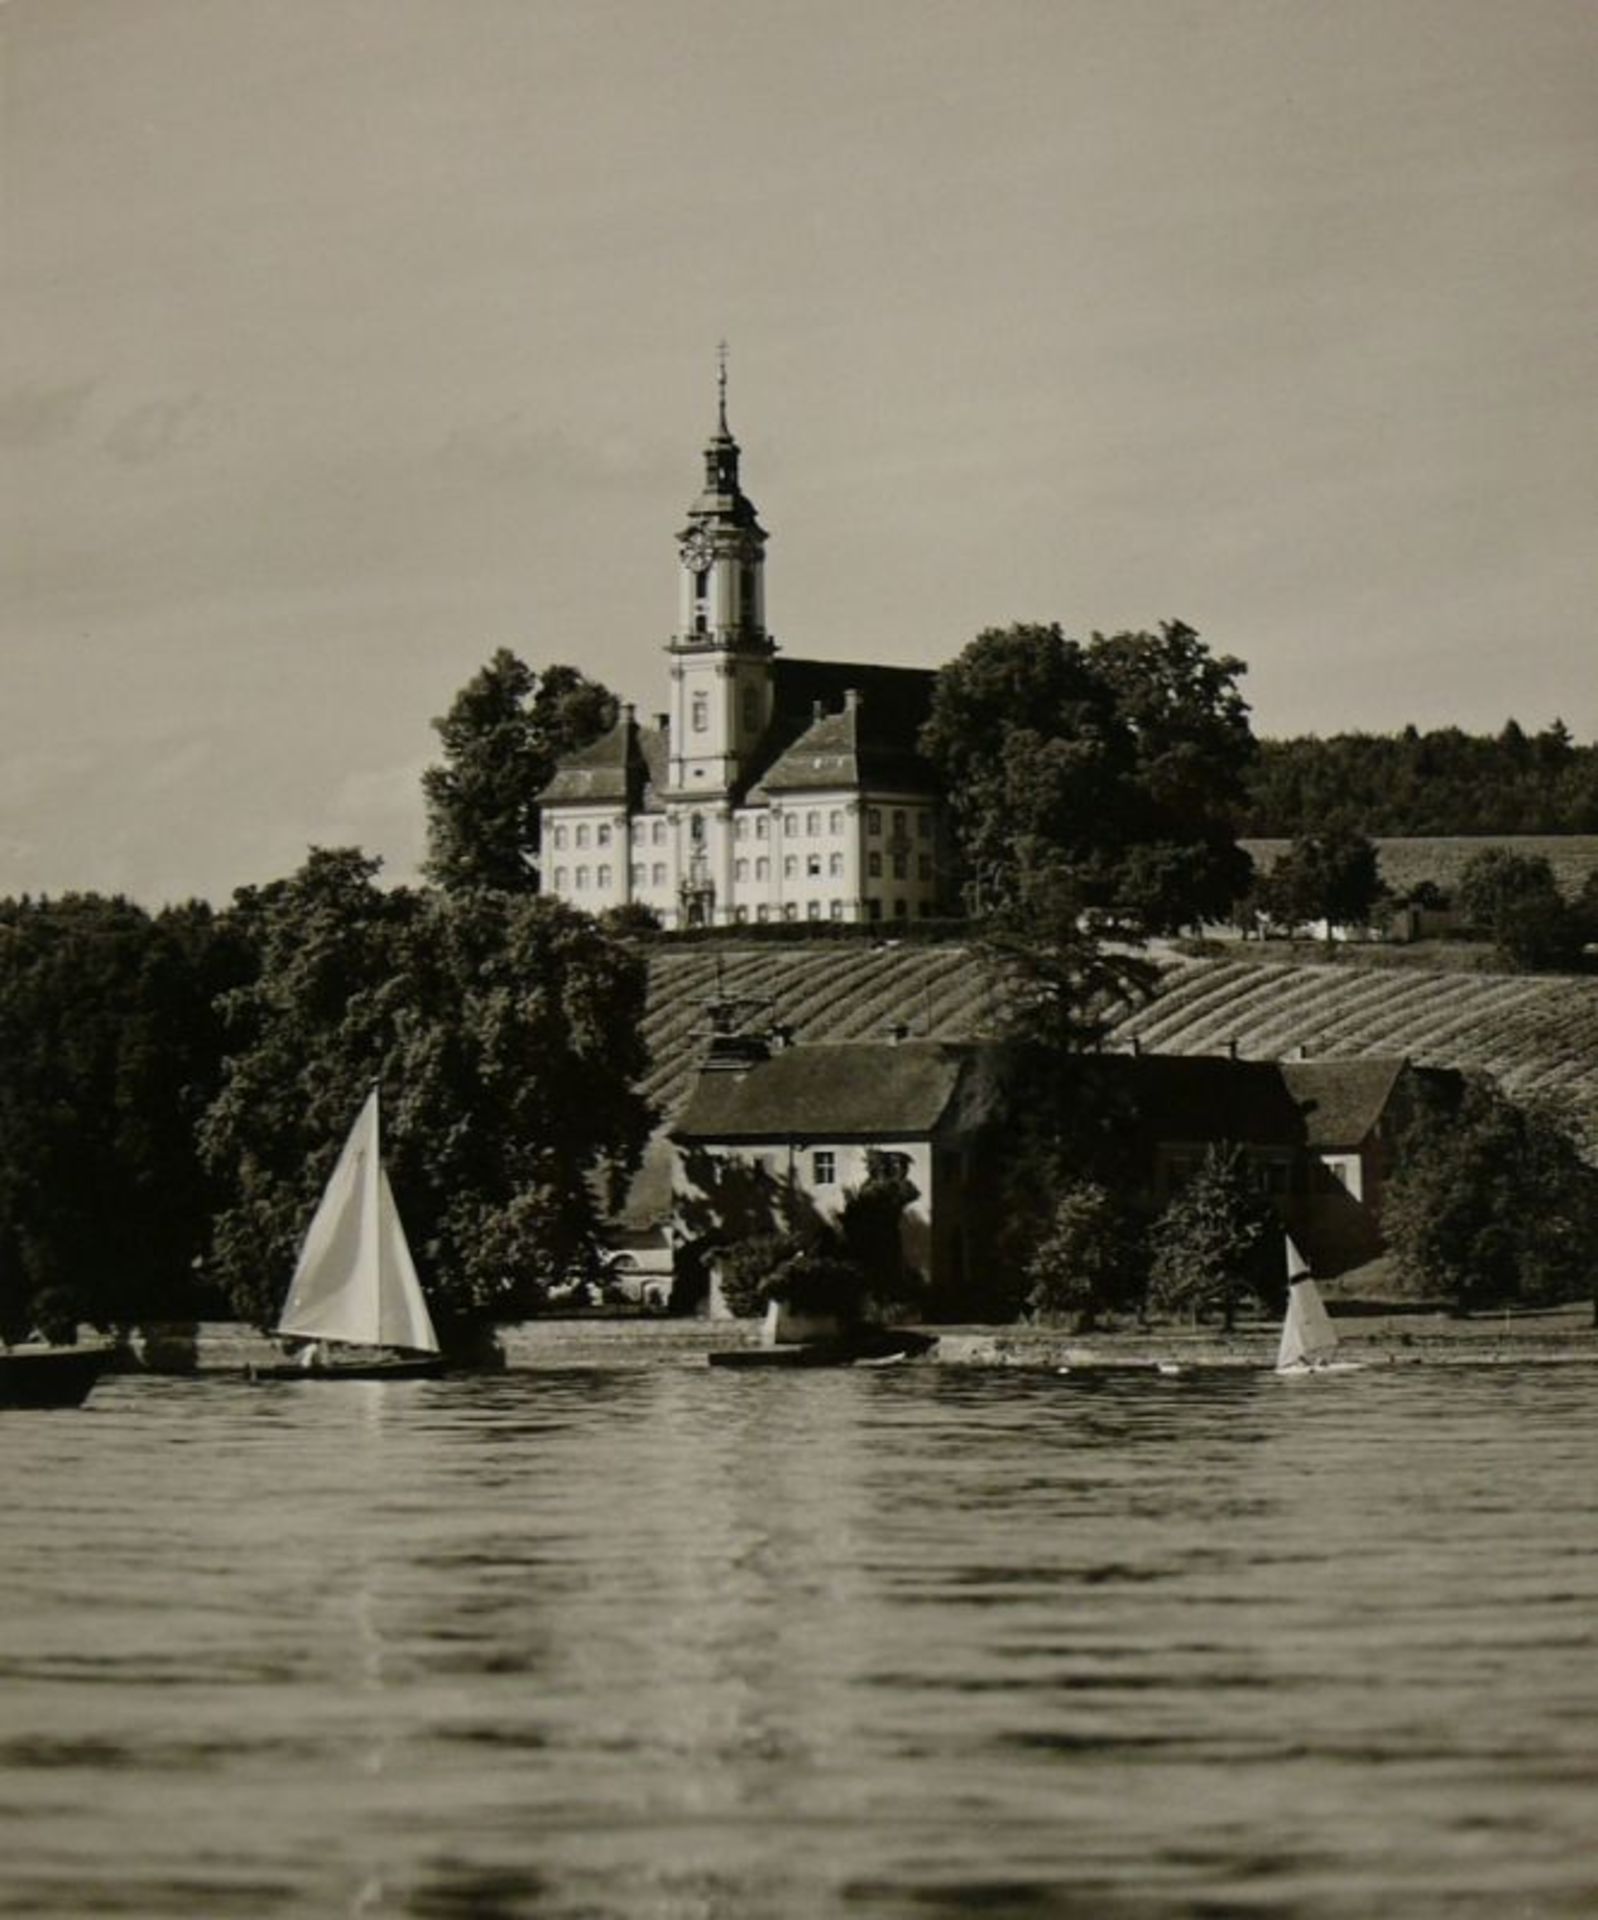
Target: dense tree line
{"type": "Point", "coordinates": [1419, 784]}
{"type": "Point", "coordinates": [177, 1086]}
{"type": "Point", "coordinates": [110, 1053]}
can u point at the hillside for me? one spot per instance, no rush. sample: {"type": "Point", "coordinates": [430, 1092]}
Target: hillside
{"type": "Point", "coordinates": [1536, 1033]}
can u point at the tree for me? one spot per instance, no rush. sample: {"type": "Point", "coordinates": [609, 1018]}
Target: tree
{"type": "Point", "coordinates": [1091, 1261]}
{"type": "Point", "coordinates": [1332, 876]}
{"type": "Point", "coordinates": [870, 1231]}
{"type": "Point", "coordinates": [503, 735]}
{"type": "Point", "coordinates": [810, 1272]}
{"type": "Point", "coordinates": [112, 1047]}
{"type": "Point", "coordinates": [1491, 1202]}
{"type": "Point", "coordinates": [505, 1033]}
{"type": "Point", "coordinates": [1515, 899]}
{"type": "Point", "coordinates": [1110, 772]}
{"type": "Point", "coordinates": [1217, 1244]}
{"type": "Point", "coordinates": [1060, 986]}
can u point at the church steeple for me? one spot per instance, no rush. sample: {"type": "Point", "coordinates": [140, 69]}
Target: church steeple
{"type": "Point", "coordinates": [723, 547]}
{"type": "Point", "coordinates": [721, 650]}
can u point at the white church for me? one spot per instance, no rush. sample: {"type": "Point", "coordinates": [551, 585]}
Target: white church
{"type": "Point", "coordinates": [770, 789]}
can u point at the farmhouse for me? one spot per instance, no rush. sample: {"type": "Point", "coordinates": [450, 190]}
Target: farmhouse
{"type": "Point", "coordinates": [769, 789]}
{"type": "Point", "coordinates": [782, 1137]}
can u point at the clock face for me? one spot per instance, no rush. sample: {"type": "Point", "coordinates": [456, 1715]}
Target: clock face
{"type": "Point", "coordinates": [697, 550]}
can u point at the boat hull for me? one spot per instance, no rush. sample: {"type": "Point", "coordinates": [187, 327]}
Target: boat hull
{"type": "Point", "coordinates": [55, 1377]}
{"type": "Point", "coordinates": [873, 1349]}
{"type": "Point", "coordinates": [423, 1367]}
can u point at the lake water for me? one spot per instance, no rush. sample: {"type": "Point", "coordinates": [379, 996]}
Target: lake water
{"type": "Point", "coordinates": [692, 1645]}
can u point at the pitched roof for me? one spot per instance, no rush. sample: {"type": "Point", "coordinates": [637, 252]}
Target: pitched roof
{"type": "Point", "coordinates": [841, 1090]}
{"type": "Point", "coordinates": [1342, 1101]}
{"type": "Point", "coordinates": [617, 767]}
{"type": "Point", "coordinates": [1200, 1097]}
{"type": "Point", "coordinates": [820, 737]}
{"type": "Point", "coordinates": [1318, 1104]}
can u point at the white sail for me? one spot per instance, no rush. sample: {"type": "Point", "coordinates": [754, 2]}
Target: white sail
{"type": "Point", "coordinates": [1308, 1336]}
{"type": "Point", "coordinates": [355, 1281]}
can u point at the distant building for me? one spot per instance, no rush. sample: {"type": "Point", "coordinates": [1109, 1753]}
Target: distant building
{"type": "Point", "coordinates": [769, 789]}
{"type": "Point", "coordinates": [774, 1138]}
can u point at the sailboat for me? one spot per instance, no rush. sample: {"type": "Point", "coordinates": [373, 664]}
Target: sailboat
{"type": "Point", "coordinates": [1309, 1340]}
{"type": "Point", "coordinates": [355, 1299]}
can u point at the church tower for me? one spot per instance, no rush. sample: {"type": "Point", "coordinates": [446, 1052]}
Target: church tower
{"type": "Point", "coordinates": [721, 652]}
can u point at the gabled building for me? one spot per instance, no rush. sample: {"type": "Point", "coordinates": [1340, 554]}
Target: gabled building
{"type": "Point", "coordinates": [770, 1139]}
{"type": "Point", "coordinates": [768, 788]}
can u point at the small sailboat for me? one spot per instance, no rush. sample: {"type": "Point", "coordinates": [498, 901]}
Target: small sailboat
{"type": "Point", "coordinates": [1309, 1340]}
{"type": "Point", "coordinates": [355, 1300]}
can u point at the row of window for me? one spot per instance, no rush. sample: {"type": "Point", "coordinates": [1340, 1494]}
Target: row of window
{"type": "Point", "coordinates": [835, 824]}
{"type": "Point", "coordinates": [834, 867]}
{"type": "Point", "coordinates": [653, 832]}
{"type": "Point", "coordinates": [824, 1165]}
{"type": "Point", "coordinates": [789, 910]}
{"type": "Point", "coordinates": [644, 875]}
{"type": "Point", "coordinates": [601, 834]}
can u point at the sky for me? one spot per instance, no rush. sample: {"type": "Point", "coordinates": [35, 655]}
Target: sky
{"type": "Point", "coordinates": [346, 341]}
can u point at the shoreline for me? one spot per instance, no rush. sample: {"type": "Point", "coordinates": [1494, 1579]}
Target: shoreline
{"type": "Point", "coordinates": [1551, 1336]}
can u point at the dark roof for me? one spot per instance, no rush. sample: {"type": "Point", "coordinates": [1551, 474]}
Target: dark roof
{"type": "Point", "coordinates": [1319, 1104]}
{"type": "Point", "coordinates": [869, 743]}
{"type": "Point", "coordinates": [844, 1090]}
{"type": "Point", "coordinates": [1200, 1097]}
{"type": "Point", "coordinates": [619, 766]}
{"type": "Point", "coordinates": [1342, 1101]}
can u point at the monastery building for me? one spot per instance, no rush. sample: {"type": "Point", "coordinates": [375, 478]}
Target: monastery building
{"type": "Point", "coordinates": [770, 788]}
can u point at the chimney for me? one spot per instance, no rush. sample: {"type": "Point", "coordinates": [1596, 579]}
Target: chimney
{"type": "Point", "coordinates": [852, 699]}
{"type": "Point", "coordinates": [662, 722]}
{"type": "Point", "coordinates": [733, 1053]}
{"type": "Point", "coordinates": [816, 711]}
{"type": "Point", "coordinates": [628, 711]}
{"type": "Point", "coordinates": [898, 1032]}
{"type": "Point", "coordinates": [1231, 1049]}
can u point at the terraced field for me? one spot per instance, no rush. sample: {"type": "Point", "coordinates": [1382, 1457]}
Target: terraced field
{"type": "Point", "coordinates": [1534, 1033]}
{"type": "Point", "coordinates": [821, 992]}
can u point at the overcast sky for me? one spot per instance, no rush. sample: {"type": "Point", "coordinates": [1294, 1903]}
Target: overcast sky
{"type": "Point", "coordinates": [348, 340]}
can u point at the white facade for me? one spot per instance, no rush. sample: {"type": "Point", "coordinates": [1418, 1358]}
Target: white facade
{"type": "Point", "coordinates": [827, 856]}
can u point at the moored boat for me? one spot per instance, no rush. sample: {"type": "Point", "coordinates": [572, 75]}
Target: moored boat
{"type": "Point", "coordinates": [49, 1376]}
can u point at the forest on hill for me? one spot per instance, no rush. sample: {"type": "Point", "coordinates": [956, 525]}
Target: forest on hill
{"type": "Point", "coordinates": [1421, 784]}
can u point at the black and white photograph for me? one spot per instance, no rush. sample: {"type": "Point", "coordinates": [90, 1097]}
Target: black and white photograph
{"type": "Point", "coordinates": [799, 959]}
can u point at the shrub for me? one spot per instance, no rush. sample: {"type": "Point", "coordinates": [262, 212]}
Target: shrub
{"type": "Point", "coordinates": [1217, 1244]}
{"type": "Point", "coordinates": [1090, 1261]}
